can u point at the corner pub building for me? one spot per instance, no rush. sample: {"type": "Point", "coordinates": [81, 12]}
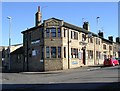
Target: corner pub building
{"type": "Point", "coordinates": [58, 45]}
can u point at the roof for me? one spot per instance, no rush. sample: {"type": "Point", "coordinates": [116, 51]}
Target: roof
{"type": "Point", "coordinates": [32, 28]}
{"type": "Point", "coordinates": [68, 25]}
{"type": "Point", "coordinates": [18, 51]}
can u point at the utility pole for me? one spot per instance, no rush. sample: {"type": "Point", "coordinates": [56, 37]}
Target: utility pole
{"type": "Point", "coordinates": [9, 66]}
{"type": "Point", "coordinates": [98, 39]}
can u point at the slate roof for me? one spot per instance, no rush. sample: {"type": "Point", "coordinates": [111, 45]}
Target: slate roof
{"type": "Point", "coordinates": [71, 26]}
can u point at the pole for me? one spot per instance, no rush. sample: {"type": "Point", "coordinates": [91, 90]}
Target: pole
{"type": "Point", "coordinates": [9, 66]}
{"type": "Point", "coordinates": [98, 39]}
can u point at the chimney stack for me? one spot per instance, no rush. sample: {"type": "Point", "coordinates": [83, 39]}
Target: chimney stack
{"type": "Point", "coordinates": [117, 40]}
{"type": "Point", "coordinates": [38, 17]}
{"type": "Point", "coordinates": [101, 34]}
{"type": "Point", "coordinates": [110, 38]}
{"type": "Point", "coordinates": [86, 26]}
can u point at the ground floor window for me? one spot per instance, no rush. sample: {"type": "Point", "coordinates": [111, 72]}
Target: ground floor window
{"type": "Point", "coordinates": [90, 54]}
{"type": "Point", "coordinates": [53, 52]}
{"type": "Point", "coordinates": [47, 52]}
{"type": "Point", "coordinates": [74, 53]}
{"type": "Point", "coordinates": [59, 52]}
{"type": "Point", "coordinates": [64, 52]}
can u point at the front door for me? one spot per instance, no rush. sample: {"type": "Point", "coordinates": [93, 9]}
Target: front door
{"type": "Point", "coordinates": [84, 57]}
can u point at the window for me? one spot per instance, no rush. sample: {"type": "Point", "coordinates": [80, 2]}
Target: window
{"type": "Point", "coordinates": [74, 53]}
{"type": "Point", "coordinates": [97, 55]}
{"type": "Point", "coordinates": [53, 52]}
{"type": "Point", "coordinates": [42, 55]}
{"type": "Point", "coordinates": [53, 32]}
{"type": "Point", "coordinates": [71, 35]}
{"type": "Point", "coordinates": [75, 35]}
{"type": "Point", "coordinates": [47, 33]}
{"type": "Point", "coordinates": [59, 32]}
{"type": "Point", "coordinates": [83, 37]}
{"type": "Point", "coordinates": [97, 41]}
{"type": "Point", "coordinates": [64, 33]}
{"type": "Point", "coordinates": [34, 52]}
{"type": "Point", "coordinates": [64, 52]}
{"type": "Point", "coordinates": [91, 40]}
{"type": "Point", "coordinates": [110, 47]}
{"type": "Point", "coordinates": [47, 52]}
{"type": "Point", "coordinates": [104, 46]}
{"type": "Point", "coordinates": [59, 52]}
{"type": "Point", "coordinates": [90, 54]}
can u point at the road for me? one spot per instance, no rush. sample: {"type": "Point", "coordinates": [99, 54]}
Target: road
{"type": "Point", "coordinates": [80, 78]}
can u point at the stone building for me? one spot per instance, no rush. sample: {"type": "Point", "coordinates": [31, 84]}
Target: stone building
{"type": "Point", "coordinates": [58, 45]}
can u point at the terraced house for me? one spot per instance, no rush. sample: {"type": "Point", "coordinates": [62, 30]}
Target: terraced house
{"type": "Point", "coordinates": [58, 45]}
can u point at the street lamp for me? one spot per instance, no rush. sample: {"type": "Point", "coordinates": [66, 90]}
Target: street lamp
{"type": "Point", "coordinates": [97, 18]}
{"type": "Point", "coordinates": [9, 66]}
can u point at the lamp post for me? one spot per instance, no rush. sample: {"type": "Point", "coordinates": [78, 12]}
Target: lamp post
{"type": "Point", "coordinates": [97, 18]}
{"type": "Point", "coordinates": [9, 66]}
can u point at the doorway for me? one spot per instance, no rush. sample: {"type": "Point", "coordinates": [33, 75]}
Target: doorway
{"type": "Point", "coordinates": [84, 57]}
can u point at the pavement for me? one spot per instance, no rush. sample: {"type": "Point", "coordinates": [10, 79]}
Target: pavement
{"type": "Point", "coordinates": [81, 68]}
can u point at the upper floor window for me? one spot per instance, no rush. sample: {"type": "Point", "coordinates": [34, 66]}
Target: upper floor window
{"type": "Point", "coordinates": [53, 32]}
{"type": "Point", "coordinates": [97, 41]}
{"type": "Point", "coordinates": [83, 37]}
{"type": "Point", "coordinates": [47, 33]}
{"type": "Point", "coordinates": [104, 46]}
{"type": "Point", "coordinates": [74, 35]}
{"type": "Point", "coordinates": [59, 32]}
{"type": "Point", "coordinates": [64, 33]}
{"type": "Point", "coordinates": [71, 35]}
{"type": "Point", "coordinates": [90, 40]}
{"type": "Point", "coordinates": [110, 47]}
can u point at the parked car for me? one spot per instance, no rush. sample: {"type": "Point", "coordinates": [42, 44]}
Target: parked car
{"type": "Point", "coordinates": [110, 62]}
{"type": "Point", "coordinates": [118, 59]}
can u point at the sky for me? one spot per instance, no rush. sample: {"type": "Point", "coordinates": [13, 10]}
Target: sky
{"type": "Point", "coordinates": [23, 16]}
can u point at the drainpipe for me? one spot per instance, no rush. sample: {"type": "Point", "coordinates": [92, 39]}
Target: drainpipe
{"type": "Point", "coordinates": [68, 52]}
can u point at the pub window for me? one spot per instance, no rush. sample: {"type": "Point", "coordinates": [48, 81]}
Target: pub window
{"type": "Point", "coordinates": [47, 52]}
{"type": "Point", "coordinates": [75, 35]}
{"type": "Point", "coordinates": [59, 32]}
{"type": "Point", "coordinates": [74, 52]}
{"type": "Point", "coordinates": [64, 33]}
{"type": "Point", "coordinates": [110, 47]}
{"type": "Point", "coordinates": [42, 55]}
{"type": "Point", "coordinates": [90, 54]}
{"type": "Point", "coordinates": [71, 35]}
{"type": "Point", "coordinates": [64, 52]}
{"type": "Point", "coordinates": [104, 46]}
{"type": "Point", "coordinates": [53, 32]}
{"type": "Point", "coordinates": [83, 37]}
{"type": "Point", "coordinates": [59, 52]}
{"type": "Point", "coordinates": [53, 52]}
{"type": "Point", "coordinates": [91, 40]}
{"type": "Point", "coordinates": [47, 33]}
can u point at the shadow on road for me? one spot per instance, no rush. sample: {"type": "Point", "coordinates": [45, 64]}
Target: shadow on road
{"type": "Point", "coordinates": [61, 86]}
